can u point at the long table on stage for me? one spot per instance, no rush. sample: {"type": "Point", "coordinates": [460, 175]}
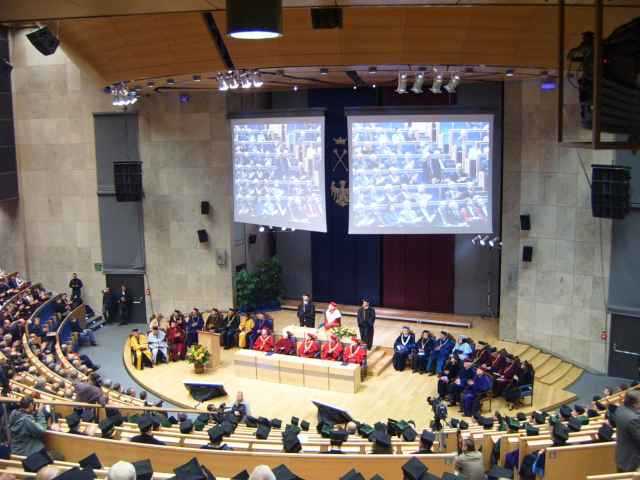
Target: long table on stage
{"type": "Point", "coordinates": [292, 370]}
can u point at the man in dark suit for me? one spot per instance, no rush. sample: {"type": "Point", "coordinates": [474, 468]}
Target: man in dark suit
{"type": "Point", "coordinates": [124, 300]}
{"type": "Point", "coordinates": [366, 319]}
{"type": "Point", "coordinates": [107, 305]}
{"type": "Point", "coordinates": [307, 312]}
{"type": "Point", "coordinates": [627, 420]}
{"type": "Point", "coordinates": [76, 286]}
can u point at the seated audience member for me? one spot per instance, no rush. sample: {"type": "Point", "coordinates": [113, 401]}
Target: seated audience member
{"type": "Point", "coordinates": [469, 464]}
{"type": "Point", "coordinates": [627, 422]}
{"type": "Point", "coordinates": [145, 424]}
{"type": "Point", "coordinates": [262, 321]}
{"type": "Point", "coordinates": [448, 377]}
{"type": "Point", "coordinates": [47, 473]}
{"type": "Point", "coordinates": [459, 376]}
{"type": "Point", "coordinates": [194, 325]}
{"type": "Point", "coordinates": [525, 376]}
{"type": "Point", "coordinates": [176, 339]}
{"type": "Point", "coordinates": [246, 327]}
{"type": "Point", "coordinates": [216, 434]}
{"type": "Point", "coordinates": [476, 388]}
{"type": "Point", "coordinates": [264, 343]}
{"type": "Point", "coordinates": [332, 350]}
{"type": "Point", "coordinates": [90, 391]}
{"type": "Point", "coordinates": [499, 362]}
{"type": "Point", "coordinates": [336, 439]}
{"type": "Point", "coordinates": [27, 426]}
{"type": "Point", "coordinates": [504, 379]}
{"type": "Point", "coordinates": [286, 345]}
{"type": "Point", "coordinates": [158, 345]}
{"type": "Point", "coordinates": [240, 408]}
{"type": "Point", "coordinates": [402, 347]}
{"type": "Point", "coordinates": [262, 472]}
{"type": "Point", "coordinates": [426, 442]}
{"type": "Point", "coordinates": [35, 327]}
{"type": "Point", "coordinates": [214, 321]}
{"type": "Point", "coordinates": [421, 351]}
{"type": "Point", "coordinates": [140, 348]}
{"type": "Point", "coordinates": [84, 334]}
{"type": "Point", "coordinates": [121, 471]}
{"type": "Point", "coordinates": [381, 443]}
{"type": "Point", "coordinates": [73, 423]}
{"type": "Point", "coordinates": [462, 348]}
{"type": "Point", "coordinates": [230, 329]}
{"type": "Point", "coordinates": [332, 316]}
{"type": "Point", "coordinates": [441, 351]}
{"type": "Point", "coordinates": [482, 355]}
{"type": "Point", "coordinates": [355, 352]}
{"type": "Point", "coordinates": [310, 347]}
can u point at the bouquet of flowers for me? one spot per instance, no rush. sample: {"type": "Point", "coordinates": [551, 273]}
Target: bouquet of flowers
{"type": "Point", "coordinates": [343, 332]}
{"type": "Point", "coordinates": [198, 355]}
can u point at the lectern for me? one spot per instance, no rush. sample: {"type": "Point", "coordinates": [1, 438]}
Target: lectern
{"type": "Point", "coordinates": [211, 341]}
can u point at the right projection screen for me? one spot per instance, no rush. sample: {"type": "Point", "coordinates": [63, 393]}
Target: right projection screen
{"type": "Point", "coordinates": [420, 174]}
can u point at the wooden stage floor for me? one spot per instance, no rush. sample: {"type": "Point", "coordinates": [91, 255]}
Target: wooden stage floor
{"type": "Point", "coordinates": [399, 395]}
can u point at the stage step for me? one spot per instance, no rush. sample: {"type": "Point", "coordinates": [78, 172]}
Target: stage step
{"type": "Point", "coordinates": [548, 367]}
{"type": "Point", "coordinates": [539, 360]}
{"type": "Point", "coordinates": [570, 378]}
{"type": "Point", "coordinates": [556, 374]}
{"type": "Point", "coordinates": [528, 354]}
{"type": "Point", "coordinates": [513, 348]}
{"type": "Point", "coordinates": [378, 361]}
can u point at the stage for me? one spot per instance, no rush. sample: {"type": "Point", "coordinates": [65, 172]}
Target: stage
{"type": "Point", "coordinates": [389, 394]}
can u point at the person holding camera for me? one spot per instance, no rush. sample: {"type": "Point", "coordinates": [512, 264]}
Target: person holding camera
{"type": "Point", "coordinates": [27, 425]}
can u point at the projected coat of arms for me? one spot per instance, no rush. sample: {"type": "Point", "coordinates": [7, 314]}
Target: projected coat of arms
{"type": "Point", "coordinates": [340, 189]}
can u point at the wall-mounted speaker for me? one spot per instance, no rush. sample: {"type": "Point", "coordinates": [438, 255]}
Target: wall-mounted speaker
{"type": "Point", "coordinates": [324, 18]}
{"type": "Point", "coordinates": [205, 207]}
{"type": "Point", "coordinates": [527, 253]}
{"type": "Point", "coordinates": [45, 41]}
{"type": "Point", "coordinates": [221, 257]}
{"type": "Point", "coordinates": [610, 196]}
{"type": "Point", "coordinates": [253, 239]}
{"type": "Point", "coordinates": [203, 236]}
{"type": "Point", "coordinates": [525, 222]}
{"type": "Point", "coordinates": [127, 178]}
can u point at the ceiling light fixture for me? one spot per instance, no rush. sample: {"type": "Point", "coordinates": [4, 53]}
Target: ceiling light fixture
{"type": "Point", "coordinates": [373, 85]}
{"type": "Point", "coordinates": [324, 71]}
{"type": "Point", "coordinates": [548, 82]}
{"type": "Point", "coordinates": [171, 81]}
{"type": "Point", "coordinates": [436, 87]}
{"type": "Point", "coordinates": [151, 84]}
{"type": "Point", "coordinates": [494, 242]}
{"type": "Point", "coordinates": [223, 85]}
{"type": "Point", "coordinates": [402, 83]}
{"type": "Point", "coordinates": [476, 239]}
{"type": "Point", "coordinates": [257, 79]}
{"type": "Point", "coordinates": [232, 80]}
{"type": "Point", "coordinates": [295, 88]}
{"type": "Point", "coordinates": [453, 83]}
{"type": "Point", "coordinates": [196, 78]}
{"type": "Point", "coordinates": [245, 80]}
{"type": "Point", "coordinates": [509, 72]}
{"type": "Point", "coordinates": [373, 70]}
{"type": "Point", "coordinates": [417, 83]}
{"type": "Point", "coordinates": [484, 240]}
{"type": "Point", "coordinates": [251, 20]}
{"type": "Point", "coordinates": [121, 96]}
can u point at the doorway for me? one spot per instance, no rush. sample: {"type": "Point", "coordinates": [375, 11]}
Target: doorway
{"type": "Point", "coordinates": [135, 287]}
{"type": "Point", "coordinates": [624, 349]}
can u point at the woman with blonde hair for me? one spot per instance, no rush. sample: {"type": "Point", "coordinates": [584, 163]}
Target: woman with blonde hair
{"type": "Point", "coordinates": [246, 326]}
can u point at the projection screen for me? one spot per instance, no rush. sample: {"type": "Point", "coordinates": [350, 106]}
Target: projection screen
{"type": "Point", "coordinates": [278, 172]}
{"type": "Point", "coordinates": [420, 174]}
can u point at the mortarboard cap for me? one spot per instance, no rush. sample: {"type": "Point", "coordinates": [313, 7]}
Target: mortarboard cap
{"type": "Point", "coordinates": [165, 423]}
{"type": "Point", "coordinates": [144, 470]}
{"type": "Point", "coordinates": [584, 420]}
{"type": "Point", "coordinates": [382, 439]}
{"type": "Point", "coordinates": [377, 476]}
{"type": "Point", "coordinates": [579, 409]}
{"type": "Point", "coordinates": [591, 413]}
{"type": "Point", "coordinates": [203, 417]}
{"type": "Point", "coordinates": [352, 474]}
{"type": "Point", "coordinates": [145, 423]}
{"type": "Point", "coordinates": [574, 424]}
{"type": "Point", "coordinates": [5, 452]}
{"type": "Point", "coordinates": [191, 471]}
{"type": "Point", "coordinates": [186, 426]}
{"type": "Point", "coordinates": [291, 443]}
{"type": "Point", "coordinates": [73, 420]}
{"type": "Point", "coordinates": [76, 473]}
{"type": "Point", "coordinates": [106, 426]}
{"type": "Point", "coordinates": [498, 472]}
{"type": "Point", "coordinates": [228, 427]}
{"type": "Point", "coordinates": [450, 476]}
{"type": "Point", "coordinates": [339, 436]}
{"type": "Point", "coordinates": [485, 422]}
{"type": "Point", "coordinates": [454, 423]}
{"type": "Point", "coordinates": [532, 431]}
{"type": "Point", "coordinates": [393, 427]}
{"type": "Point", "coordinates": [565, 411]}
{"type": "Point", "coordinates": [513, 424]}
{"type": "Point", "coordinates": [243, 475]}
{"type": "Point", "coordinates": [276, 423]}
{"type": "Point", "coordinates": [409, 434]}
{"type": "Point", "coordinates": [364, 430]}
{"type": "Point", "coordinates": [262, 433]}
{"type": "Point", "coordinates": [295, 420]}
{"type": "Point", "coordinates": [304, 425]}
{"type": "Point", "coordinates": [216, 434]}
{"type": "Point", "coordinates": [560, 433]}
{"type": "Point", "coordinates": [605, 433]}
{"type": "Point", "coordinates": [538, 418]}
{"type": "Point", "coordinates": [463, 425]}
{"type": "Point", "coordinates": [36, 461]}
{"type": "Point", "coordinates": [264, 421]}
{"type": "Point", "coordinates": [283, 473]}
{"type": "Point", "coordinates": [172, 420]}
{"type": "Point", "coordinates": [599, 405]}
{"type": "Point", "coordinates": [251, 422]}
{"type": "Point", "coordinates": [198, 426]}
{"type": "Point", "coordinates": [294, 429]}
{"type": "Point", "coordinates": [92, 462]}
{"type": "Point", "coordinates": [427, 436]}
{"type": "Point", "coordinates": [521, 417]}
{"type": "Point", "coordinates": [414, 469]}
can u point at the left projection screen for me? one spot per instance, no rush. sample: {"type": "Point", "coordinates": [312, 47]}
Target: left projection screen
{"type": "Point", "coordinates": [278, 172]}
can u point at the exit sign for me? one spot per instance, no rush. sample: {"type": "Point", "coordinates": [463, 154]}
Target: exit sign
{"type": "Point", "coordinates": [97, 267]}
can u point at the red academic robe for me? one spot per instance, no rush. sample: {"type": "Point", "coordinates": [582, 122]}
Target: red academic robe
{"type": "Point", "coordinates": [354, 354]}
{"type": "Point", "coordinates": [264, 344]}
{"type": "Point", "coordinates": [331, 351]}
{"type": "Point", "coordinates": [175, 339]}
{"type": "Point", "coordinates": [308, 349]}
{"type": "Point", "coordinates": [285, 346]}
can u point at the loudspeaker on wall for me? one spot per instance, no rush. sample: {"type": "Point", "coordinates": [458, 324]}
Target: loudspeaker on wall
{"type": "Point", "coordinates": [127, 178]}
{"type": "Point", "coordinates": [45, 41]}
{"type": "Point", "coordinates": [203, 236]}
{"type": "Point", "coordinates": [525, 222]}
{"type": "Point", "coordinates": [323, 18]}
{"type": "Point", "coordinates": [527, 253]}
{"type": "Point", "coordinates": [205, 207]}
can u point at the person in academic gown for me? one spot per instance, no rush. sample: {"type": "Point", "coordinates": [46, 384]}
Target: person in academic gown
{"type": "Point", "coordinates": [441, 350]}
{"type": "Point", "coordinates": [262, 321]}
{"type": "Point", "coordinates": [194, 325]}
{"type": "Point", "coordinates": [175, 339]}
{"type": "Point", "coordinates": [332, 316]}
{"type": "Point", "coordinates": [158, 345]}
{"type": "Point", "coordinates": [499, 362]}
{"type": "Point", "coordinates": [402, 347]}
{"type": "Point", "coordinates": [124, 301]}
{"type": "Point", "coordinates": [247, 325]}
{"type": "Point", "coordinates": [309, 347]}
{"type": "Point", "coordinates": [478, 386]}
{"type": "Point", "coordinates": [332, 350]}
{"type": "Point", "coordinates": [214, 321]}
{"type": "Point", "coordinates": [306, 312]}
{"type": "Point", "coordinates": [421, 351]}
{"type": "Point", "coordinates": [482, 355]}
{"type": "Point", "coordinates": [286, 345]}
{"type": "Point", "coordinates": [140, 347]}
{"type": "Point", "coordinates": [355, 352]}
{"type": "Point", "coordinates": [502, 381]}
{"type": "Point", "coordinates": [366, 317]}
{"type": "Point", "coordinates": [230, 330]}
{"type": "Point", "coordinates": [264, 343]}
{"type": "Point", "coordinates": [458, 383]}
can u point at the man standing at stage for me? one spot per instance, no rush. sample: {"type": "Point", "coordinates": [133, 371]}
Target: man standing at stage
{"type": "Point", "coordinates": [306, 312]}
{"type": "Point", "coordinates": [366, 320]}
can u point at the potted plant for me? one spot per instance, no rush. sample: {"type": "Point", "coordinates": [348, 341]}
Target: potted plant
{"type": "Point", "coordinates": [198, 356]}
{"type": "Point", "coordinates": [269, 283]}
{"type": "Point", "coordinates": [343, 332]}
{"type": "Point", "coordinates": [246, 290]}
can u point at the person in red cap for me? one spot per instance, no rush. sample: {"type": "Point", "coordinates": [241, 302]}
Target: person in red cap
{"type": "Point", "coordinates": [332, 317]}
{"type": "Point", "coordinates": [332, 350]}
{"type": "Point", "coordinates": [286, 345]}
{"type": "Point", "coordinates": [309, 347]}
{"type": "Point", "coordinates": [355, 353]}
{"type": "Point", "coordinates": [264, 343]}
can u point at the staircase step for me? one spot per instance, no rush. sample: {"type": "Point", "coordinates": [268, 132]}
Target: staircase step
{"type": "Point", "coordinates": [375, 356]}
{"type": "Point", "coordinates": [529, 354]}
{"type": "Point", "coordinates": [570, 378]}
{"type": "Point", "coordinates": [556, 374]}
{"type": "Point", "coordinates": [548, 367]}
{"type": "Point", "coordinates": [380, 365]}
{"type": "Point", "coordinates": [516, 349]}
{"type": "Point", "coordinates": [539, 360]}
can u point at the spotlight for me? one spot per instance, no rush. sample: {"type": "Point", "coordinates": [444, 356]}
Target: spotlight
{"type": "Point", "coordinates": [483, 240]}
{"type": "Point", "coordinates": [293, 229]}
{"type": "Point", "coordinates": [548, 82]}
{"type": "Point", "coordinates": [232, 80]}
{"type": "Point", "coordinates": [509, 72]}
{"type": "Point", "coordinates": [476, 239]}
{"type": "Point", "coordinates": [324, 71]}
{"type": "Point", "coordinates": [373, 70]}
{"type": "Point", "coordinates": [295, 88]}
{"type": "Point", "coordinates": [151, 84]}
{"type": "Point", "coordinates": [257, 79]}
{"type": "Point", "coordinates": [223, 85]}
{"type": "Point", "coordinates": [355, 87]}
{"type": "Point", "coordinates": [494, 242]}
{"type": "Point", "coordinates": [245, 80]}
{"type": "Point", "coordinates": [453, 83]}
{"type": "Point", "coordinates": [171, 81]}
{"type": "Point", "coordinates": [184, 98]}
{"type": "Point", "coordinates": [373, 86]}
{"type": "Point", "coordinates": [261, 229]}
{"type": "Point", "coordinates": [251, 20]}
{"type": "Point", "coordinates": [436, 87]}
{"type": "Point", "coordinates": [402, 83]}
{"type": "Point", "coordinates": [196, 78]}
{"type": "Point", "coordinates": [121, 96]}
{"type": "Point", "coordinates": [417, 83]}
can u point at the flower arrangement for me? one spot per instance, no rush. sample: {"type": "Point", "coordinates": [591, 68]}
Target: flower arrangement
{"type": "Point", "coordinates": [199, 356]}
{"type": "Point", "coordinates": [343, 332]}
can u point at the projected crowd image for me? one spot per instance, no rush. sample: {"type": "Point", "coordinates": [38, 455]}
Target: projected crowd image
{"type": "Point", "coordinates": [279, 172]}
{"type": "Point", "coordinates": [420, 175]}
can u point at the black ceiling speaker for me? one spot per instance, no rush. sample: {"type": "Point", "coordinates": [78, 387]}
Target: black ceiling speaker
{"type": "Point", "coordinates": [45, 41]}
{"type": "Point", "coordinates": [203, 236]}
{"type": "Point", "coordinates": [525, 222]}
{"type": "Point", "coordinates": [254, 20]}
{"type": "Point", "coordinates": [205, 207]}
{"type": "Point", "coordinates": [324, 18]}
{"type": "Point", "coordinates": [127, 178]}
{"type": "Point", "coordinates": [527, 253]}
